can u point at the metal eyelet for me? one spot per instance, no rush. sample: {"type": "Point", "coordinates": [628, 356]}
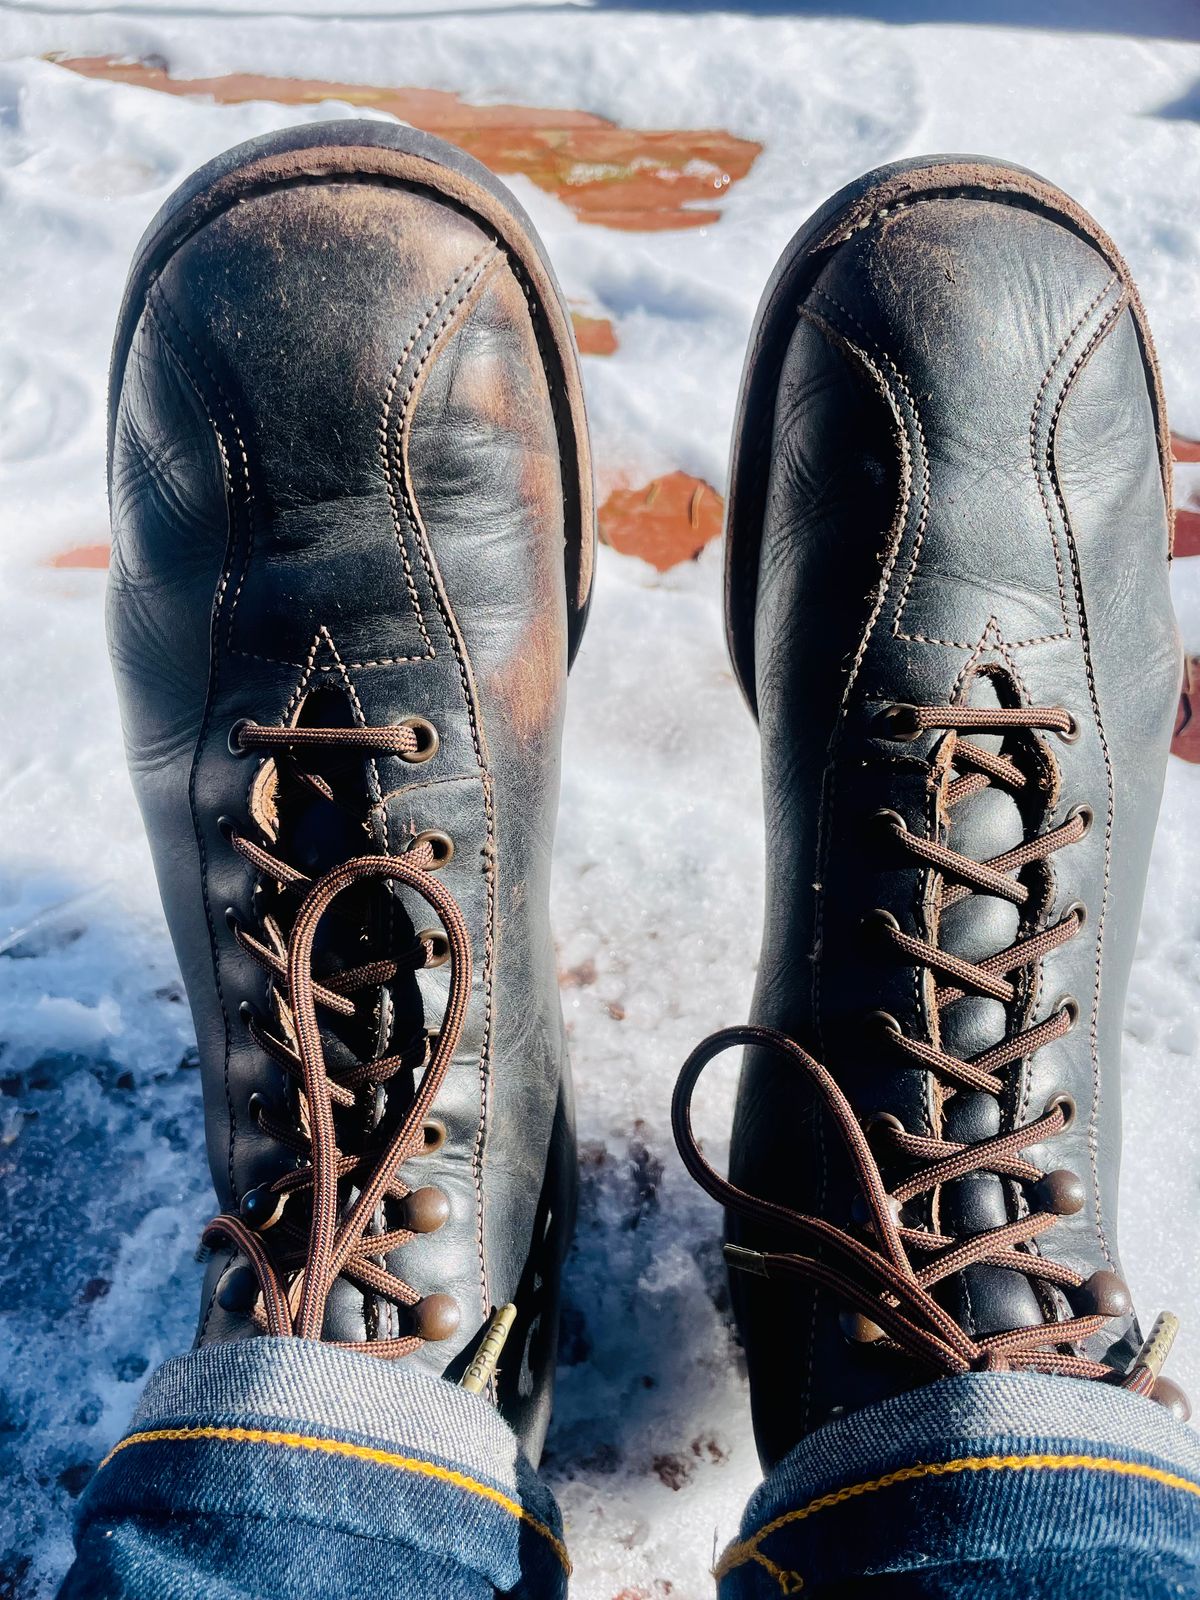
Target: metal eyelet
{"type": "Point", "coordinates": [1066, 1104]}
{"type": "Point", "coordinates": [878, 919]}
{"type": "Point", "coordinates": [859, 1329]}
{"type": "Point", "coordinates": [1070, 734]}
{"type": "Point", "coordinates": [1087, 816]}
{"type": "Point", "coordinates": [1069, 1004]}
{"type": "Point", "coordinates": [226, 827]}
{"type": "Point", "coordinates": [435, 1136]}
{"type": "Point", "coordinates": [249, 1013]}
{"type": "Point", "coordinates": [883, 1021]}
{"type": "Point", "coordinates": [255, 1107]}
{"type": "Point", "coordinates": [1076, 909]}
{"type": "Point", "coordinates": [428, 740]}
{"type": "Point", "coordinates": [883, 1120]}
{"type": "Point", "coordinates": [236, 748]}
{"type": "Point", "coordinates": [894, 821]}
{"type": "Point", "coordinates": [901, 722]}
{"type": "Point", "coordinates": [232, 920]}
{"type": "Point", "coordinates": [439, 952]}
{"type": "Point", "coordinates": [441, 844]}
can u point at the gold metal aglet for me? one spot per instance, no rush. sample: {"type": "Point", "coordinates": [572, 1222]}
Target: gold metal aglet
{"type": "Point", "coordinates": [744, 1260]}
{"type": "Point", "coordinates": [1157, 1345]}
{"type": "Point", "coordinates": [483, 1364]}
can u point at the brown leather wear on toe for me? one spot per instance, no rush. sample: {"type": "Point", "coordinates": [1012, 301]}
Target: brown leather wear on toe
{"type": "Point", "coordinates": [947, 548]}
{"type": "Point", "coordinates": [352, 554]}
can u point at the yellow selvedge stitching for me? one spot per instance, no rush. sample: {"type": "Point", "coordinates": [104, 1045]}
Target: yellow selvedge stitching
{"type": "Point", "coordinates": [359, 1452]}
{"type": "Point", "coordinates": [738, 1554]}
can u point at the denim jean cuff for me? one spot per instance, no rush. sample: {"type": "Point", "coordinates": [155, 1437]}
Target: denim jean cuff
{"type": "Point", "coordinates": [986, 1471]}
{"type": "Point", "coordinates": [292, 1430]}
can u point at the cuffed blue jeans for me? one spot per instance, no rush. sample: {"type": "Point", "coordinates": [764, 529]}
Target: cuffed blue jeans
{"type": "Point", "coordinates": [277, 1468]}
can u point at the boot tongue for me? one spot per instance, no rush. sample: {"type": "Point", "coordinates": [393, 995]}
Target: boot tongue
{"type": "Point", "coordinates": [985, 1299]}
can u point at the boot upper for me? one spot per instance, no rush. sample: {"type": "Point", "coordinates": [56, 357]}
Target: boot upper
{"type": "Point", "coordinates": [966, 508]}
{"type": "Point", "coordinates": [338, 495]}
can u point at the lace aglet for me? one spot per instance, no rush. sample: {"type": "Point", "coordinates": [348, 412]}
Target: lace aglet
{"type": "Point", "coordinates": [484, 1362]}
{"type": "Point", "coordinates": [1156, 1346]}
{"type": "Point", "coordinates": [743, 1260]}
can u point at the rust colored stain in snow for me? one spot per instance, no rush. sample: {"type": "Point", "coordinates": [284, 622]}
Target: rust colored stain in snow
{"type": "Point", "coordinates": [1187, 532]}
{"type": "Point", "coordinates": [1187, 518]}
{"type": "Point", "coordinates": [1186, 742]}
{"type": "Point", "coordinates": [595, 336]}
{"type": "Point", "coordinates": [665, 522]}
{"type": "Point", "coordinates": [93, 556]}
{"type": "Point", "coordinates": [633, 178]}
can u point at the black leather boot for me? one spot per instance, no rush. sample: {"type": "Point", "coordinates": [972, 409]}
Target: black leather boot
{"type": "Point", "coordinates": [352, 550]}
{"type": "Point", "coordinates": [947, 548]}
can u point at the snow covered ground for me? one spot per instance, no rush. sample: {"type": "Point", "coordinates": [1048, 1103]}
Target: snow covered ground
{"type": "Point", "coordinates": [102, 1183]}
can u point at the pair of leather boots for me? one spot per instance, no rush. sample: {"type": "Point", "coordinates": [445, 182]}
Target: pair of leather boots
{"type": "Point", "coordinates": [353, 552]}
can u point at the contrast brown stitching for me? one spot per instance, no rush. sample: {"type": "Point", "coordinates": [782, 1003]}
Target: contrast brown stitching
{"type": "Point", "coordinates": [1035, 419]}
{"type": "Point", "coordinates": [1101, 332]}
{"type": "Point", "coordinates": [384, 430]}
{"type": "Point", "coordinates": [400, 447]}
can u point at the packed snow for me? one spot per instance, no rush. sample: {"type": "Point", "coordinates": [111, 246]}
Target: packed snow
{"type": "Point", "coordinates": [103, 1187]}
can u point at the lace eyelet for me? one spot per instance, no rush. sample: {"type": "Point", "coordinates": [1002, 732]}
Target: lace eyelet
{"type": "Point", "coordinates": [435, 1136]}
{"type": "Point", "coordinates": [249, 1013]}
{"type": "Point", "coordinates": [1064, 1103]}
{"type": "Point", "coordinates": [858, 1329]}
{"type": "Point", "coordinates": [439, 952]}
{"type": "Point", "coordinates": [891, 820]}
{"type": "Point", "coordinates": [255, 1107]}
{"type": "Point", "coordinates": [883, 1022]}
{"type": "Point", "coordinates": [236, 748]}
{"type": "Point", "coordinates": [1076, 909]}
{"type": "Point", "coordinates": [901, 722]}
{"type": "Point", "coordinates": [232, 921]}
{"type": "Point", "coordinates": [440, 843]}
{"type": "Point", "coordinates": [1086, 815]}
{"type": "Point", "coordinates": [1069, 1004]}
{"type": "Point", "coordinates": [883, 1120]}
{"type": "Point", "coordinates": [226, 827]}
{"type": "Point", "coordinates": [878, 920]}
{"type": "Point", "coordinates": [428, 739]}
{"type": "Point", "coordinates": [1070, 734]}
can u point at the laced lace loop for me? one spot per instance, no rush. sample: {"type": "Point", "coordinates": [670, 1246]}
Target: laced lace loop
{"type": "Point", "coordinates": [888, 1276]}
{"type": "Point", "coordinates": [327, 1245]}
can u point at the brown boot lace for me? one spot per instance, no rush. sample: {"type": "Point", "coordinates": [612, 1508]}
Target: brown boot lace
{"type": "Point", "coordinates": [297, 1267]}
{"type": "Point", "coordinates": [889, 1278]}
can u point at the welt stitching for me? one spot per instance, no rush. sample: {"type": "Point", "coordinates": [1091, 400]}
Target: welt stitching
{"type": "Point", "coordinates": [1101, 332]}
{"type": "Point", "coordinates": [833, 335]}
{"type": "Point", "coordinates": [209, 699]}
{"type": "Point", "coordinates": [385, 431]}
{"type": "Point", "coordinates": [402, 434]}
{"type": "Point", "coordinates": [1035, 418]}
